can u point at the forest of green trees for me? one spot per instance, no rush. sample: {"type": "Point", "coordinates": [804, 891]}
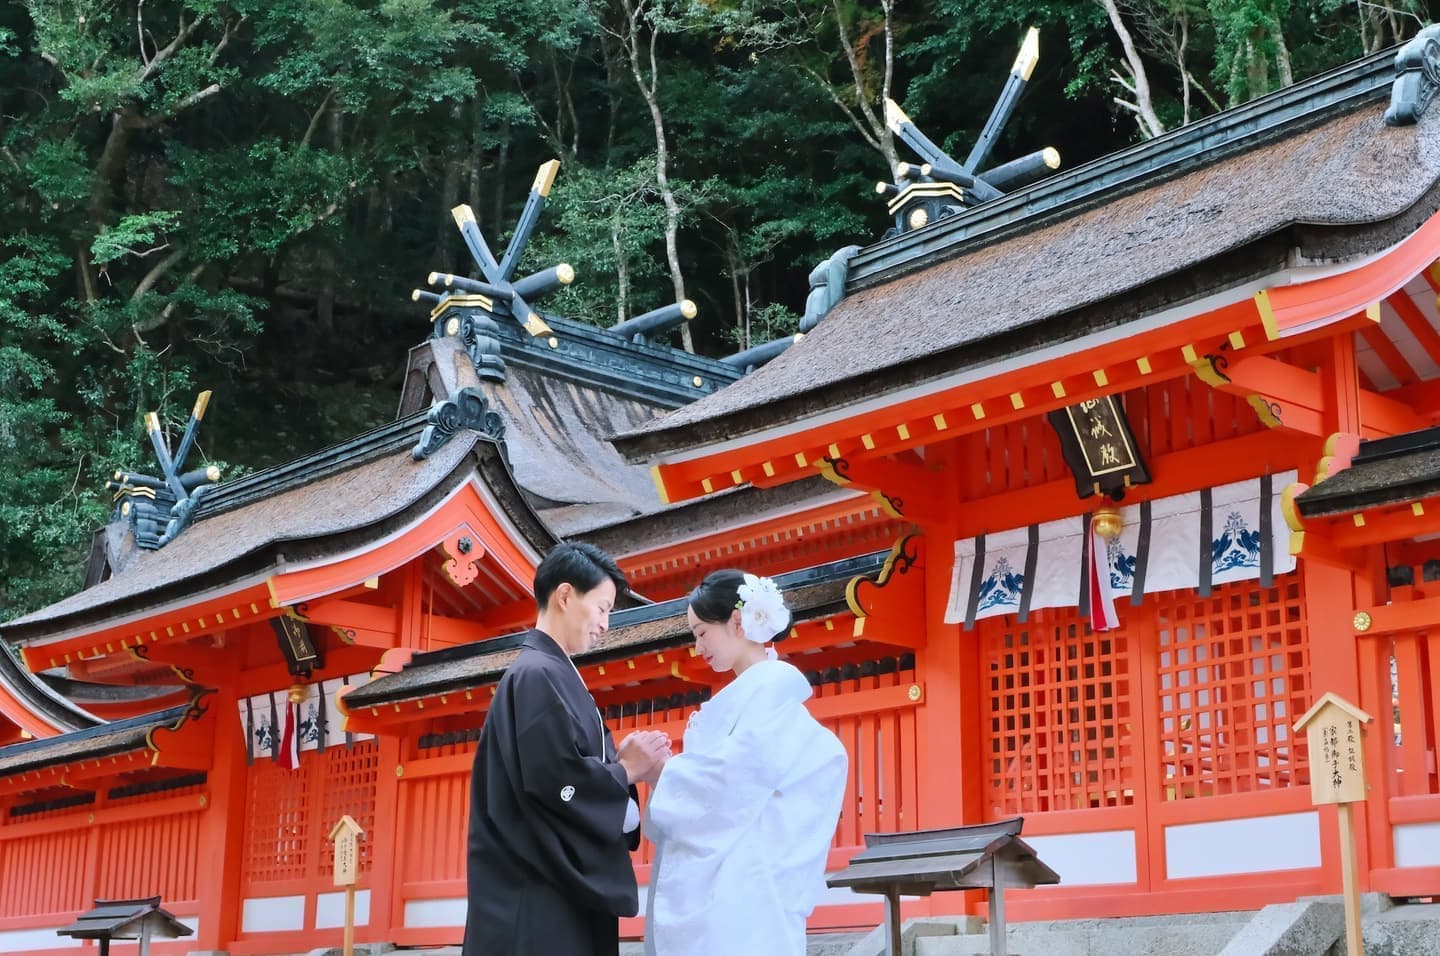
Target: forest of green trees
{"type": "Point", "coordinates": [239, 194]}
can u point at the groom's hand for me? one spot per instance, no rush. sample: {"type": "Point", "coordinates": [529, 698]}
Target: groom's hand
{"type": "Point", "coordinates": [641, 753]}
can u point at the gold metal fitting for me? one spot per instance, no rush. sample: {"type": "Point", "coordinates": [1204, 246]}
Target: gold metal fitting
{"type": "Point", "coordinates": [1107, 523]}
{"type": "Point", "coordinates": [1363, 622]}
{"type": "Point", "coordinates": [918, 218]}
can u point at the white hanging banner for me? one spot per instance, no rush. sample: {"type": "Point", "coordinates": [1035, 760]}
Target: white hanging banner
{"type": "Point", "coordinates": [1159, 549]}
{"type": "Point", "coordinates": [1173, 563]}
{"type": "Point", "coordinates": [321, 725]}
{"type": "Point", "coordinates": [1024, 568]}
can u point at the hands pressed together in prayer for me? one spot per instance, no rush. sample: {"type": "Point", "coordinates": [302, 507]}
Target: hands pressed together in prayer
{"type": "Point", "coordinates": [643, 755]}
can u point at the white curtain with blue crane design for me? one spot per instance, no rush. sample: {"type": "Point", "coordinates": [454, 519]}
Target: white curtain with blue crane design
{"type": "Point", "coordinates": [1199, 540]}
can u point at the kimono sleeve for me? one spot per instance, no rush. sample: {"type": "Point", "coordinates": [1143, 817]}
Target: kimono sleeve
{"type": "Point", "coordinates": [580, 798]}
{"type": "Point", "coordinates": [709, 800]}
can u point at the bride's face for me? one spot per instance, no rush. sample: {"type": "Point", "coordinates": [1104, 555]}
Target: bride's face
{"type": "Point", "coordinates": [722, 645]}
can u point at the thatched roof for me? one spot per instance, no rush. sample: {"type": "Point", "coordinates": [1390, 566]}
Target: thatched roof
{"type": "Point", "coordinates": [104, 740]}
{"type": "Point", "coordinates": [290, 513]}
{"type": "Point", "coordinates": [1308, 175]}
{"type": "Point", "coordinates": [1388, 471]}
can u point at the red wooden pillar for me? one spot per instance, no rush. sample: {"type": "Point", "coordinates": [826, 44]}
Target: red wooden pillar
{"type": "Point", "coordinates": [950, 777]}
{"type": "Point", "coordinates": [387, 906]}
{"type": "Point", "coordinates": [1376, 700]}
{"type": "Point", "coordinates": [222, 830]}
{"type": "Point", "coordinates": [1335, 668]}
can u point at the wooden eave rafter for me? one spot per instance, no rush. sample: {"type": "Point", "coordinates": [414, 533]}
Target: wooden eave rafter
{"type": "Point", "coordinates": [1296, 400]}
{"type": "Point", "coordinates": [1278, 317]}
{"type": "Point", "coordinates": [746, 538]}
{"type": "Point", "coordinates": [241, 606]}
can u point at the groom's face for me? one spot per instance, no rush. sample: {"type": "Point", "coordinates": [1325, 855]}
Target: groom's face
{"type": "Point", "coordinates": [585, 614]}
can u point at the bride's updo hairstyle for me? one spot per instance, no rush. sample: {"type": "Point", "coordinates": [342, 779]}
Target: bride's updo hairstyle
{"type": "Point", "coordinates": [718, 596]}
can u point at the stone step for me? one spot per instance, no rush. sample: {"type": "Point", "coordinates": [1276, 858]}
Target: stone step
{"type": "Point", "coordinates": [1174, 936]}
{"type": "Point", "coordinates": [817, 944]}
{"type": "Point", "coordinates": [1409, 929]}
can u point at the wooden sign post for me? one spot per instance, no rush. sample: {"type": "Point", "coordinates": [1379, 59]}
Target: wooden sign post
{"type": "Point", "coordinates": [1334, 730]}
{"type": "Point", "coordinates": [346, 834]}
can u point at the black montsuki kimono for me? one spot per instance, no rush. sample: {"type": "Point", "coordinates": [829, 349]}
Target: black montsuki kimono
{"type": "Point", "coordinates": [549, 867]}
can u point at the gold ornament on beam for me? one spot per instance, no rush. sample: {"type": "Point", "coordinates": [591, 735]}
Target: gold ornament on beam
{"type": "Point", "coordinates": [1107, 523]}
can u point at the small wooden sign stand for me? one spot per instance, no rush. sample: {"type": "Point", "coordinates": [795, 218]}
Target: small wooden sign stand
{"type": "Point", "coordinates": [1334, 729]}
{"type": "Point", "coordinates": [346, 833]}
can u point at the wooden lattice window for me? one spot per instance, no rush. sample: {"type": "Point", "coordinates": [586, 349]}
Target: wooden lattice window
{"type": "Point", "coordinates": [1234, 674]}
{"type": "Point", "coordinates": [289, 812]}
{"type": "Point", "coordinates": [349, 787]}
{"type": "Point", "coordinates": [1061, 709]}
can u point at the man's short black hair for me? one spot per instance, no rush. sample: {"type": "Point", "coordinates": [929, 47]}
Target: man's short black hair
{"type": "Point", "coordinates": [580, 565]}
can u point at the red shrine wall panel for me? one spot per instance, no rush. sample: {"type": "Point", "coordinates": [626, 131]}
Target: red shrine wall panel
{"type": "Point", "coordinates": [55, 862]}
{"type": "Point", "coordinates": [1158, 755]}
{"type": "Point", "coordinates": [61, 857]}
{"type": "Point", "coordinates": [1167, 417]}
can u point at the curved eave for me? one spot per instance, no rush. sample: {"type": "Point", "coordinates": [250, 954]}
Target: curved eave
{"type": "Point", "coordinates": [1253, 319]}
{"type": "Point", "coordinates": [178, 738]}
{"type": "Point", "coordinates": [34, 707]}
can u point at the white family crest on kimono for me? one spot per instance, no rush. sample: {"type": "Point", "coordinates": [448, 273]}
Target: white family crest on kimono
{"type": "Point", "coordinates": [743, 820]}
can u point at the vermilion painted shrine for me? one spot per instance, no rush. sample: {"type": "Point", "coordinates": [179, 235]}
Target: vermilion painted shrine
{"type": "Point", "coordinates": [1220, 348]}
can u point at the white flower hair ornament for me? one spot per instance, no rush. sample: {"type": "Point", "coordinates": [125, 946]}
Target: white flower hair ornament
{"type": "Point", "coordinates": [763, 613]}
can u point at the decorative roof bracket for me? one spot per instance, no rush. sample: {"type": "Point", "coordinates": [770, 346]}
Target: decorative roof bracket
{"type": "Point", "coordinates": [1417, 68]}
{"type": "Point", "coordinates": [468, 409]}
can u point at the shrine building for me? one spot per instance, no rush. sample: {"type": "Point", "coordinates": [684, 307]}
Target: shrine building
{"type": "Point", "coordinates": [1083, 487]}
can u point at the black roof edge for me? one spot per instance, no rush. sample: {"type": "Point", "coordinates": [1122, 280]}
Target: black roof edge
{"type": "Point", "coordinates": [1171, 154]}
{"type": "Point", "coordinates": [40, 699]}
{"type": "Point", "coordinates": [1397, 446]}
{"type": "Point", "coordinates": [172, 716]}
{"type": "Point", "coordinates": [590, 355]}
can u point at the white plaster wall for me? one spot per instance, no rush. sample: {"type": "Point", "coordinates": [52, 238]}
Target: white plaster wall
{"type": "Point", "coordinates": [1288, 841]}
{"type": "Point", "coordinates": [420, 914]}
{"type": "Point", "coordinates": [272, 914]}
{"type": "Point", "coordinates": [20, 940]}
{"type": "Point", "coordinates": [1088, 859]}
{"type": "Point", "coordinates": [1417, 844]}
{"type": "Point", "coordinates": [330, 909]}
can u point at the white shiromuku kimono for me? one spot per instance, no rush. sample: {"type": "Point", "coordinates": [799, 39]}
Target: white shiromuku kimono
{"type": "Point", "coordinates": [743, 820]}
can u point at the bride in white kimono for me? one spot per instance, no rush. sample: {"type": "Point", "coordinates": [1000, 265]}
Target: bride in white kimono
{"type": "Point", "coordinates": [744, 817]}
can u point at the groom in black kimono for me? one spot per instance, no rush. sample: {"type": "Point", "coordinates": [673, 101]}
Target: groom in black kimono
{"type": "Point", "coordinates": [553, 814]}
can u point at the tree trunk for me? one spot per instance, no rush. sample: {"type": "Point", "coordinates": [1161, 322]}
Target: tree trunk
{"type": "Point", "coordinates": [622, 272]}
{"type": "Point", "coordinates": [502, 163]}
{"type": "Point", "coordinates": [649, 91]}
{"type": "Point", "coordinates": [1144, 107]}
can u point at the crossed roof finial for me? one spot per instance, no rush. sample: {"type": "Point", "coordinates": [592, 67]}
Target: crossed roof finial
{"type": "Point", "coordinates": [158, 508]}
{"type": "Point", "coordinates": [941, 186]}
{"type": "Point", "coordinates": [500, 293]}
